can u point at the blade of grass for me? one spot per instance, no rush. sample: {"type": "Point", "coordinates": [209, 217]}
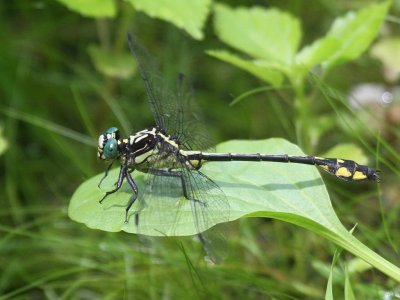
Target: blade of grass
{"type": "Point", "coordinates": [83, 112]}
{"type": "Point", "coordinates": [48, 125]}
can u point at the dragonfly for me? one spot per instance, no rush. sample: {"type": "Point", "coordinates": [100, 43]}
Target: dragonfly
{"type": "Point", "coordinates": [173, 151]}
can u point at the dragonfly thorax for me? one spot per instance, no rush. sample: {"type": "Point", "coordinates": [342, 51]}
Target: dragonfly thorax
{"type": "Point", "coordinates": [111, 146]}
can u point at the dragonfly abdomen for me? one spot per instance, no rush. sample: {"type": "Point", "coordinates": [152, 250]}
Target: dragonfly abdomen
{"type": "Point", "coordinates": [347, 170]}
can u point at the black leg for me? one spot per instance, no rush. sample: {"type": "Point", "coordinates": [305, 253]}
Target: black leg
{"type": "Point", "coordinates": [122, 175]}
{"type": "Point", "coordinates": [179, 174]}
{"type": "Point", "coordinates": [106, 173]}
{"type": "Point", "coordinates": [134, 196]}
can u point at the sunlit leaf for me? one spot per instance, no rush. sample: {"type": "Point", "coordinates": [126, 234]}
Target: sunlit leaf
{"type": "Point", "coordinates": [187, 15]}
{"type": "Point", "coordinates": [265, 72]}
{"type": "Point", "coordinates": [91, 8]}
{"type": "Point", "coordinates": [318, 52]}
{"type": "Point", "coordinates": [387, 51]}
{"type": "Point", "coordinates": [270, 35]}
{"type": "Point", "coordinates": [355, 31]}
{"type": "Point", "coordinates": [118, 65]}
{"type": "Point", "coordinates": [288, 192]}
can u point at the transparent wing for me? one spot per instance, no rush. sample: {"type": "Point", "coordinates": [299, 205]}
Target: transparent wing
{"type": "Point", "coordinates": [208, 203]}
{"type": "Point", "coordinates": [174, 109]}
{"type": "Point", "coordinates": [162, 205]}
{"type": "Point", "coordinates": [189, 127]}
{"type": "Point", "coordinates": [163, 208]}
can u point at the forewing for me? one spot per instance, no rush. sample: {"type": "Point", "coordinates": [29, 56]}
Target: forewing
{"type": "Point", "coordinates": [189, 126]}
{"type": "Point", "coordinates": [174, 109]}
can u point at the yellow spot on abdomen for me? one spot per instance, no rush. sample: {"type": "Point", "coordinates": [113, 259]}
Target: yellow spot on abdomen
{"type": "Point", "coordinates": [359, 176]}
{"type": "Point", "coordinates": [324, 167]}
{"type": "Point", "coordinates": [344, 172]}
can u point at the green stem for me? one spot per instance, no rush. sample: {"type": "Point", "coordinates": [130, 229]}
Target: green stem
{"type": "Point", "coordinates": [338, 234]}
{"type": "Point", "coordinates": [353, 245]}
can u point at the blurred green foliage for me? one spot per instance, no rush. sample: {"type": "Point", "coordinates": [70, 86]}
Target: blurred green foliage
{"type": "Point", "coordinates": [58, 92]}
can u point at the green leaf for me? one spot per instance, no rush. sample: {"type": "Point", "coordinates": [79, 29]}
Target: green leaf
{"type": "Point", "coordinates": [117, 65]}
{"type": "Point", "coordinates": [92, 8]}
{"type": "Point", "coordinates": [270, 35]}
{"type": "Point", "coordinates": [318, 52]}
{"type": "Point", "coordinates": [288, 192]}
{"type": "Point", "coordinates": [355, 32]}
{"type": "Point", "coordinates": [263, 71]}
{"type": "Point", "coordinates": [387, 51]}
{"type": "Point", "coordinates": [347, 151]}
{"type": "Point", "coordinates": [187, 15]}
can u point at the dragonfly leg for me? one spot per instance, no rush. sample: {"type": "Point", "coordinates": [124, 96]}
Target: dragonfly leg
{"type": "Point", "coordinates": [176, 174]}
{"type": "Point", "coordinates": [122, 175]}
{"type": "Point", "coordinates": [135, 193]}
{"type": "Point", "coordinates": [106, 173]}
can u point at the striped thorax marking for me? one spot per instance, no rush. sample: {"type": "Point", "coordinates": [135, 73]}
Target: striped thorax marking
{"type": "Point", "coordinates": [168, 139]}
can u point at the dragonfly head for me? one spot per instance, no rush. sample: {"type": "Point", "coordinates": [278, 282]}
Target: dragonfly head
{"type": "Point", "coordinates": [108, 144]}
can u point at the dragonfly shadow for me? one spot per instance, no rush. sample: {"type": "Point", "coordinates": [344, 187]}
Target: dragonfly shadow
{"type": "Point", "coordinates": [114, 205]}
{"type": "Point", "coordinates": [296, 185]}
{"type": "Point", "coordinates": [273, 186]}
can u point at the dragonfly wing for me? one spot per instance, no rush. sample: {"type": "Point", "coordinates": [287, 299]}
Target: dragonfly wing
{"type": "Point", "coordinates": [174, 110]}
{"type": "Point", "coordinates": [182, 202]}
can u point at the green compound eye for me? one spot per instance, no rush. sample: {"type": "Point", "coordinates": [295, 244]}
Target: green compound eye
{"type": "Point", "coordinates": [111, 149]}
{"type": "Point", "coordinates": [113, 131]}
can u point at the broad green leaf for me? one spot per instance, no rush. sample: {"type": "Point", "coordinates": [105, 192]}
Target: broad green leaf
{"type": "Point", "coordinates": [91, 8]}
{"type": "Point", "coordinates": [387, 51]}
{"type": "Point", "coordinates": [347, 151]}
{"type": "Point", "coordinates": [270, 35]}
{"type": "Point", "coordinates": [316, 53]}
{"type": "Point", "coordinates": [187, 15]}
{"type": "Point", "coordinates": [355, 32]}
{"type": "Point", "coordinates": [117, 65]}
{"type": "Point", "coordinates": [265, 72]}
{"type": "Point", "coordinates": [288, 192]}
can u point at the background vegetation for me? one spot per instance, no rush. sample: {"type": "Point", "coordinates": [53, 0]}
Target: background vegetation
{"type": "Point", "coordinates": [66, 75]}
